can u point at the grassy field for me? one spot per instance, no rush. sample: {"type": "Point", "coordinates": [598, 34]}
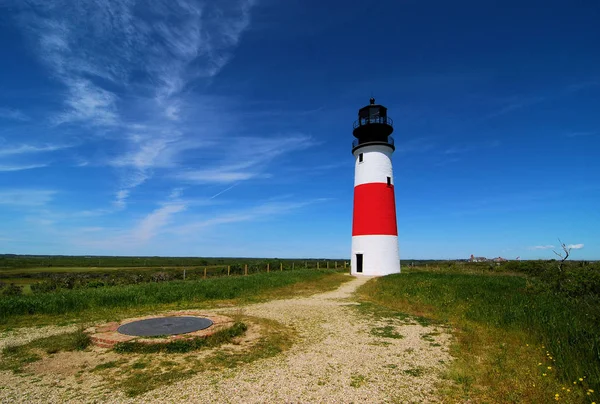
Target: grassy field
{"type": "Point", "coordinates": [109, 303]}
{"type": "Point", "coordinates": [33, 274]}
{"type": "Point", "coordinates": [11, 261]}
{"type": "Point", "coordinates": [523, 331]}
{"type": "Point", "coordinates": [516, 339]}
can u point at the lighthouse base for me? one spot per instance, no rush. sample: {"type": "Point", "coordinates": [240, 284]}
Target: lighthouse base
{"type": "Point", "coordinates": [375, 255]}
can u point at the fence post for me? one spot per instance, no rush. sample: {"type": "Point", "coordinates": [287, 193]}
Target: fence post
{"type": "Point", "coordinates": [344, 264]}
{"type": "Point", "coordinates": [292, 266]}
{"type": "Point", "coordinates": [305, 265]}
{"type": "Point", "coordinates": [228, 269]}
{"type": "Point", "coordinates": [245, 269]}
{"type": "Point", "coordinates": [184, 274]}
{"type": "Point", "coordinates": [281, 266]}
{"type": "Point", "coordinates": [336, 265]}
{"type": "Point", "coordinates": [205, 272]}
{"type": "Point", "coordinates": [317, 264]}
{"type": "Point", "coordinates": [327, 264]}
{"type": "Point", "coordinates": [268, 266]}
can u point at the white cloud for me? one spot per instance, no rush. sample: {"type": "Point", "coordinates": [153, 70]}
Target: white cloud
{"type": "Point", "coordinates": [120, 198]}
{"type": "Point", "coordinates": [19, 167]}
{"type": "Point", "coordinates": [29, 149]}
{"type": "Point", "coordinates": [19, 151]}
{"type": "Point", "coordinates": [160, 217]}
{"type": "Point", "coordinates": [26, 197]}
{"type": "Point", "coordinates": [89, 103]}
{"type": "Point", "coordinates": [575, 246]}
{"type": "Point", "coordinates": [125, 66]}
{"type": "Point", "coordinates": [176, 193]}
{"type": "Point", "coordinates": [219, 175]}
{"type": "Point", "coordinates": [247, 158]}
{"type": "Point", "coordinates": [13, 114]}
{"type": "Point", "coordinates": [127, 75]}
{"type": "Point", "coordinates": [541, 247]}
{"type": "Point", "coordinates": [581, 134]}
{"type": "Point", "coordinates": [264, 210]}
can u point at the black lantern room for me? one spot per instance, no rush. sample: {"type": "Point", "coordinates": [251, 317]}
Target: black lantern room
{"type": "Point", "coordinates": [373, 127]}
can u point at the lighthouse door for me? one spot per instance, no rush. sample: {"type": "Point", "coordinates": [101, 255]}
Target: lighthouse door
{"type": "Point", "coordinates": [359, 263]}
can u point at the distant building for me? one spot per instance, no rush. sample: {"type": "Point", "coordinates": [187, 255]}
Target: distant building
{"type": "Point", "coordinates": [500, 259]}
{"type": "Point", "coordinates": [477, 259]}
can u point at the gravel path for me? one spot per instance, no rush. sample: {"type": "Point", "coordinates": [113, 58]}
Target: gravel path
{"type": "Point", "coordinates": [337, 360]}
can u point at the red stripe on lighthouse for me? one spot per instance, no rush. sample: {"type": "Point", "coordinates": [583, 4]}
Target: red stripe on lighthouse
{"type": "Point", "coordinates": [374, 210]}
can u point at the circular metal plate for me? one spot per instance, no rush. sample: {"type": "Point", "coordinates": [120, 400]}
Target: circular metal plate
{"type": "Point", "coordinates": [154, 327]}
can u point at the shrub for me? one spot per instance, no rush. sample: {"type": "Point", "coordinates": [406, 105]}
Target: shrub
{"type": "Point", "coordinates": [12, 290]}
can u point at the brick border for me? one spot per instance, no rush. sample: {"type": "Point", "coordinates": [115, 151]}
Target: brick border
{"type": "Point", "coordinates": [106, 336]}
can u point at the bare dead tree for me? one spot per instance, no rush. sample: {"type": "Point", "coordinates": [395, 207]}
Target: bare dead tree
{"type": "Point", "coordinates": [563, 255]}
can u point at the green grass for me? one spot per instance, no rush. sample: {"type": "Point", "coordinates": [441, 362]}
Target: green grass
{"type": "Point", "coordinates": [510, 324]}
{"type": "Point", "coordinates": [111, 302]}
{"type": "Point", "coordinates": [415, 372]}
{"type": "Point", "coordinates": [387, 331]}
{"type": "Point", "coordinates": [16, 357]}
{"type": "Point", "coordinates": [357, 380]}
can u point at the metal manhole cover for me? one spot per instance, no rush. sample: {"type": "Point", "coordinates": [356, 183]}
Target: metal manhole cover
{"type": "Point", "coordinates": [154, 327]}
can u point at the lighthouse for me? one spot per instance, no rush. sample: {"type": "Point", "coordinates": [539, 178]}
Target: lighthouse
{"type": "Point", "coordinates": [374, 229]}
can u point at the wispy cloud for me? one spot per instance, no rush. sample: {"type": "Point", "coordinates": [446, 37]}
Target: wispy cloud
{"type": "Point", "coordinates": [126, 69]}
{"type": "Point", "coordinates": [160, 217]}
{"type": "Point", "coordinates": [26, 197]}
{"type": "Point", "coordinates": [417, 145]}
{"type": "Point", "coordinates": [541, 247]}
{"type": "Point", "coordinates": [14, 157]}
{"type": "Point", "coordinates": [172, 219]}
{"type": "Point", "coordinates": [13, 114]}
{"type": "Point", "coordinates": [575, 246]}
{"type": "Point", "coordinates": [19, 167]}
{"type": "Point", "coordinates": [223, 191]}
{"type": "Point", "coordinates": [583, 85]}
{"type": "Point", "coordinates": [268, 209]}
{"type": "Point", "coordinates": [30, 149]}
{"type": "Point", "coordinates": [246, 158]}
{"type": "Point", "coordinates": [514, 104]}
{"type": "Point", "coordinates": [581, 134]}
{"type": "Point", "coordinates": [471, 147]}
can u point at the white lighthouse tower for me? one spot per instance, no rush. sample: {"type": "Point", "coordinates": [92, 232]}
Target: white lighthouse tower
{"type": "Point", "coordinates": [374, 229]}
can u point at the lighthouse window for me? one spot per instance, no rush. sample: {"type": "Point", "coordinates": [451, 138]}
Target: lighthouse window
{"type": "Point", "coordinates": [389, 181]}
{"type": "Point", "coordinates": [360, 158]}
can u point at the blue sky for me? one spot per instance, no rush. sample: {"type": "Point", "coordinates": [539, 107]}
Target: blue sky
{"type": "Point", "coordinates": [203, 128]}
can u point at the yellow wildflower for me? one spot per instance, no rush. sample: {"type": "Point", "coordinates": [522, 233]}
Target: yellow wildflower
{"type": "Point", "coordinates": [580, 379]}
{"type": "Point", "coordinates": [543, 374]}
{"type": "Point", "coordinates": [549, 367]}
{"type": "Point", "coordinates": [590, 390]}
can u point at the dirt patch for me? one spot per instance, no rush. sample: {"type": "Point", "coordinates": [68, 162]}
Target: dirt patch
{"type": "Point", "coordinates": [71, 363]}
